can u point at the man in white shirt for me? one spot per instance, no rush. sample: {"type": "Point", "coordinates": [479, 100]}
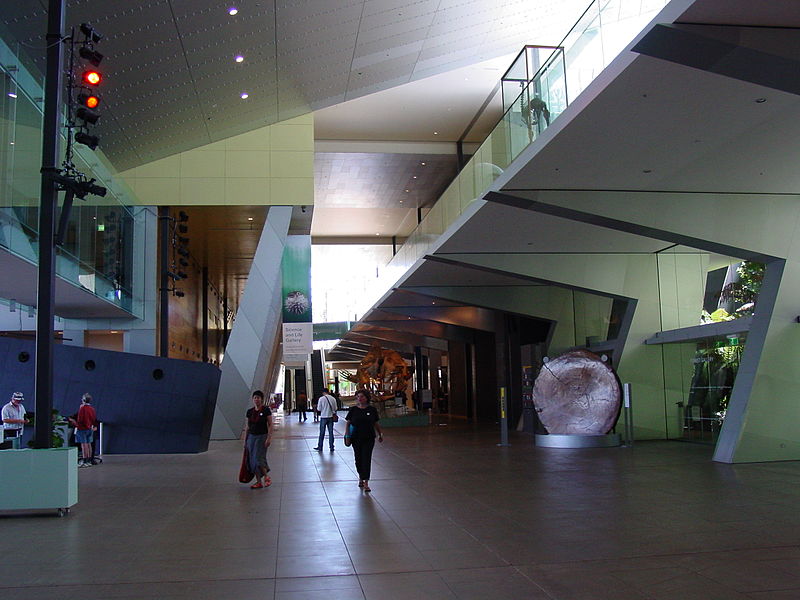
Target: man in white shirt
{"type": "Point", "coordinates": [326, 407]}
{"type": "Point", "coordinates": [14, 417]}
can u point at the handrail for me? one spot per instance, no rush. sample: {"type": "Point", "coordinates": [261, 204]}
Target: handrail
{"type": "Point", "coordinates": [525, 119]}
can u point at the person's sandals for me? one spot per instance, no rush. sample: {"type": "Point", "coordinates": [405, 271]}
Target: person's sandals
{"type": "Point", "coordinates": [360, 483]}
{"type": "Point", "coordinates": [366, 487]}
{"type": "Point", "coordinates": [257, 486]}
{"type": "Point", "coordinates": [267, 482]}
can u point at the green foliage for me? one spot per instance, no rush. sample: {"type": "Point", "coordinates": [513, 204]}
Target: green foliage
{"type": "Point", "coordinates": [745, 290]}
{"type": "Point", "coordinates": [717, 316]}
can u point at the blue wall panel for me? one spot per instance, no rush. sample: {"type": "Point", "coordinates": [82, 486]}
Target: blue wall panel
{"type": "Point", "coordinates": [141, 414]}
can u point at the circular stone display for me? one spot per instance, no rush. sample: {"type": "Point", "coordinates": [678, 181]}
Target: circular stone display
{"type": "Point", "coordinates": [577, 393]}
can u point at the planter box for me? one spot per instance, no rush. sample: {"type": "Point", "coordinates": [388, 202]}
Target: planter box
{"type": "Point", "coordinates": [39, 479]}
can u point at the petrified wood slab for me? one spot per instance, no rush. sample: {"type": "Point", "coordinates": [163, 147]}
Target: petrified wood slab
{"type": "Point", "coordinates": [577, 393]}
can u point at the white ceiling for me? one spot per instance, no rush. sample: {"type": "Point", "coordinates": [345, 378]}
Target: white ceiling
{"type": "Point", "coordinates": [172, 83]}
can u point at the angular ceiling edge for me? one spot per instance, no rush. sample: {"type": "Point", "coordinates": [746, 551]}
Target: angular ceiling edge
{"type": "Point", "coordinates": [676, 217]}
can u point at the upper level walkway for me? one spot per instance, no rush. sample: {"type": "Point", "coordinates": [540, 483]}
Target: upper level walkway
{"type": "Point", "coordinates": [451, 515]}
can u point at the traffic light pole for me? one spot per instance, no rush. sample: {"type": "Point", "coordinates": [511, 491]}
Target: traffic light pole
{"type": "Point", "coordinates": [45, 299]}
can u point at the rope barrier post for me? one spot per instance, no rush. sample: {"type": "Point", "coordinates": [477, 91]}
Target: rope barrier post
{"type": "Point", "coordinates": [503, 419]}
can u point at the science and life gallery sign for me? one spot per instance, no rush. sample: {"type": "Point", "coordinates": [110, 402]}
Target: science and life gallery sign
{"type": "Point", "coordinates": [298, 331]}
{"type": "Point", "coordinates": [298, 338]}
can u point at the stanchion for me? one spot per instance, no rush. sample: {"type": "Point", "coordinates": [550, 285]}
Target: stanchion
{"type": "Point", "coordinates": [503, 419]}
{"type": "Point", "coordinates": [628, 412]}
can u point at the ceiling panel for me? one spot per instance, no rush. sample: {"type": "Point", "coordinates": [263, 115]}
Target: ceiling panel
{"type": "Point", "coordinates": [165, 52]}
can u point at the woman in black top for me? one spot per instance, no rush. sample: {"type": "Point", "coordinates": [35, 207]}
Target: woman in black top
{"type": "Point", "coordinates": [362, 425]}
{"type": "Point", "coordinates": [259, 437]}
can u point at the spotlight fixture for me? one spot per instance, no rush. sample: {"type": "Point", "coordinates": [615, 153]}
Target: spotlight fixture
{"type": "Point", "coordinates": [239, 58]}
{"type": "Point", "coordinates": [87, 115]}
{"type": "Point", "coordinates": [92, 35]}
{"type": "Point", "coordinates": [232, 11]}
{"type": "Point", "coordinates": [244, 96]}
{"type": "Point", "coordinates": [88, 100]}
{"type": "Point", "coordinates": [93, 56]}
{"type": "Point", "coordinates": [92, 78]}
{"type": "Point", "coordinates": [91, 141]}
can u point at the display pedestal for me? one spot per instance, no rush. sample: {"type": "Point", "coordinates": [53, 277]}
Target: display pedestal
{"type": "Point", "coordinates": [35, 479]}
{"type": "Point", "coordinates": [558, 440]}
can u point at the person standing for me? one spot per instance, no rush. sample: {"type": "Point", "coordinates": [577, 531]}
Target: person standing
{"type": "Point", "coordinates": [326, 407]}
{"type": "Point", "coordinates": [13, 415]}
{"type": "Point", "coordinates": [258, 439]}
{"type": "Point", "coordinates": [302, 406]}
{"type": "Point", "coordinates": [362, 426]}
{"type": "Point", "coordinates": [85, 425]}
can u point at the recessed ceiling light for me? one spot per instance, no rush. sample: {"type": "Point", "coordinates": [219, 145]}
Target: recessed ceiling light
{"type": "Point", "coordinates": [239, 58]}
{"type": "Point", "coordinates": [249, 218]}
{"type": "Point", "coordinates": [401, 201]}
{"type": "Point", "coordinates": [244, 96]}
{"type": "Point", "coordinates": [414, 177]}
{"type": "Point", "coordinates": [377, 234]}
{"type": "Point", "coordinates": [435, 133]}
{"type": "Point", "coordinates": [422, 163]}
{"type": "Point", "coordinates": [760, 100]}
{"type": "Point", "coordinates": [233, 11]}
{"type": "Point", "coordinates": [406, 190]}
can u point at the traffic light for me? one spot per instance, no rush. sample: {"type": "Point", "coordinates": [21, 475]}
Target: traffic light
{"type": "Point", "coordinates": [87, 100]}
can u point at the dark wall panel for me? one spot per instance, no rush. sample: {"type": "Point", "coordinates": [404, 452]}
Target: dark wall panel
{"type": "Point", "coordinates": [142, 414]}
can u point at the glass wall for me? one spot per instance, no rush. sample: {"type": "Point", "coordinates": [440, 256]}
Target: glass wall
{"type": "Point", "coordinates": [97, 253]}
{"type": "Point", "coordinates": [700, 288]}
{"type": "Point", "coordinates": [699, 378]}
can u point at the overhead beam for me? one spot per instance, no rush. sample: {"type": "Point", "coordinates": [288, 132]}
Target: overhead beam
{"type": "Point", "coordinates": [743, 53]}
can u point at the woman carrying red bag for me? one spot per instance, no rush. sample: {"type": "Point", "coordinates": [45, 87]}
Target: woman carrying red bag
{"type": "Point", "coordinates": [258, 439]}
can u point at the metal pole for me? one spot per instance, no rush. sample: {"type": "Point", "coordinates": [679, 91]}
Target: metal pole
{"type": "Point", "coordinates": [163, 324]}
{"type": "Point", "coordinates": [205, 314]}
{"type": "Point", "coordinates": [503, 419]}
{"type": "Point", "coordinates": [626, 399]}
{"type": "Point", "coordinates": [45, 296]}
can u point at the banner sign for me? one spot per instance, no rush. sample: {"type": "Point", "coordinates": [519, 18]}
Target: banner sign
{"type": "Point", "coordinates": [298, 338]}
{"type": "Point", "coordinates": [296, 278]}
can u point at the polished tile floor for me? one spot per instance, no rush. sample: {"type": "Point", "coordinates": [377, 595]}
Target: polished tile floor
{"type": "Point", "coordinates": [451, 515]}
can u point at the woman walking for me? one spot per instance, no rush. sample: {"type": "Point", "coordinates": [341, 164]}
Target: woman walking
{"type": "Point", "coordinates": [362, 426]}
{"type": "Point", "coordinates": [259, 437]}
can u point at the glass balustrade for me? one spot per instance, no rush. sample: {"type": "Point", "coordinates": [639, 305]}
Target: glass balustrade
{"type": "Point", "coordinates": [601, 32]}
{"type": "Point", "coordinates": [97, 252]}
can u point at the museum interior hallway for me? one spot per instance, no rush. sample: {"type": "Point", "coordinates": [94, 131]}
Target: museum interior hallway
{"type": "Point", "coordinates": [451, 515]}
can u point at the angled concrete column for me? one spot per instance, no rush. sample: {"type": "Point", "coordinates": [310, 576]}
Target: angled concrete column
{"type": "Point", "coordinates": [253, 337]}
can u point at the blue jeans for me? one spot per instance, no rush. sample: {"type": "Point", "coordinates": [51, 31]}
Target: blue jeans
{"type": "Point", "coordinates": [323, 423]}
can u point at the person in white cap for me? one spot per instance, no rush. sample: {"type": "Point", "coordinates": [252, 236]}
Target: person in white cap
{"type": "Point", "coordinates": [14, 420]}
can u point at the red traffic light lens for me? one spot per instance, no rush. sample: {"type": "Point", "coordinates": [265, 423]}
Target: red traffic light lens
{"type": "Point", "coordinates": [92, 102]}
{"type": "Point", "coordinates": [92, 77]}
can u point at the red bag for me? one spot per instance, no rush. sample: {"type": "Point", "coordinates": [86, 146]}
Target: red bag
{"type": "Point", "coordinates": [245, 474]}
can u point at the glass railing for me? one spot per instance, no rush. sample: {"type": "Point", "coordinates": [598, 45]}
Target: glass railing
{"type": "Point", "coordinates": [599, 35]}
{"type": "Point", "coordinates": [97, 253]}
